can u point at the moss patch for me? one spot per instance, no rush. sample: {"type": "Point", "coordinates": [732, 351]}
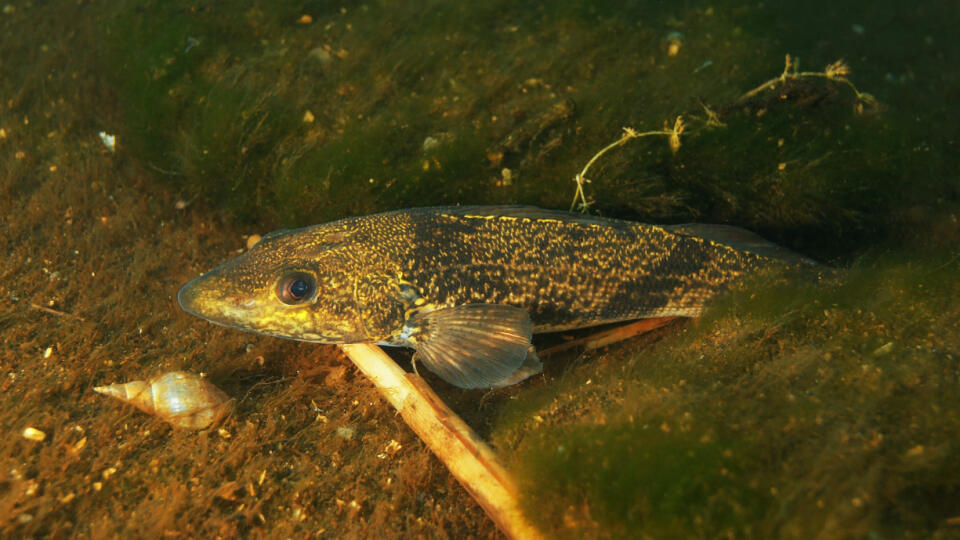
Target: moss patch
{"type": "Point", "coordinates": [289, 121]}
{"type": "Point", "coordinates": [797, 407]}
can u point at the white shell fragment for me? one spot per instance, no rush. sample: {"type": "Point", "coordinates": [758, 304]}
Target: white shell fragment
{"type": "Point", "coordinates": [110, 141]}
{"type": "Point", "coordinates": [183, 399]}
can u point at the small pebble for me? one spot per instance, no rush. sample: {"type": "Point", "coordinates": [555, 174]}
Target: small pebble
{"type": "Point", "coordinates": [430, 143]}
{"type": "Point", "coordinates": [506, 177]}
{"type": "Point", "coordinates": [252, 241]}
{"type": "Point", "coordinates": [393, 447]}
{"type": "Point", "coordinates": [34, 434]}
{"type": "Point", "coordinates": [321, 55]}
{"type": "Point", "coordinates": [674, 41]}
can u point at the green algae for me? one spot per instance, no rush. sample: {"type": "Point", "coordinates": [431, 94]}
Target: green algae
{"type": "Point", "coordinates": [635, 481]}
{"type": "Point", "coordinates": [800, 405]}
{"type": "Point", "coordinates": [290, 123]}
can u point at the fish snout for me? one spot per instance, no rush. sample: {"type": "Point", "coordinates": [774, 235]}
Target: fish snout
{"type": "Point", "coordinates": [209, 298]}
{"type": "Point", "coordinates": [188, 297]}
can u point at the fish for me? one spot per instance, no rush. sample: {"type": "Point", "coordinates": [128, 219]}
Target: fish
{"type": "Point", "coordinates": [467, 286]}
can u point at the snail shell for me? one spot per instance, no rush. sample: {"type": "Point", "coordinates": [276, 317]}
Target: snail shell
{"type": "Point", "coordinates": [182, 399]}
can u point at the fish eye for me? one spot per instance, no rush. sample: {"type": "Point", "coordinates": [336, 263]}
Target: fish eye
{"type": "Point", "coordinates": [296, 288]}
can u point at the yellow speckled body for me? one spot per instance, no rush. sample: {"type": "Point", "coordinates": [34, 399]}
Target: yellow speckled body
{"type": "Point", "coordinates": [566, 270]}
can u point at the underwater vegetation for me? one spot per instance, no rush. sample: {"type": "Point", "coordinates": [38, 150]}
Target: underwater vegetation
{"type": "Point", "coordinates": [797, 408]}
{"type": "Point", "coordinates": [294, 121]}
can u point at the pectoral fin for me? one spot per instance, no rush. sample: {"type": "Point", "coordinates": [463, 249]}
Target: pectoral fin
{"type": "Point", "coordinates": [473, 345]}
{"type": "Point", "coordinates": [530, 367]}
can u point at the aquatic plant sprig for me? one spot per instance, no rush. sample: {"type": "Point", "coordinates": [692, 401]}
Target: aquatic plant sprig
{"type": "Point", "coordinates": [673, 136]}
{"type": "Point", "coordinates": [837, 71]}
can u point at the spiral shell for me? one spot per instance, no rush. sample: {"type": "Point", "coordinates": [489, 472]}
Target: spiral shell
{"type": "Point", "coordinates": [182, 399]}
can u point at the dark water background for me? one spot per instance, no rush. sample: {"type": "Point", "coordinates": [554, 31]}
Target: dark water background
{"type": "Point", "coordinates": [796, 408]}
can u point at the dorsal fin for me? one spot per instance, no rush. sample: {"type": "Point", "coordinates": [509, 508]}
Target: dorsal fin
{"type": "Point", "coordinates": [739, 239]}
{"type": "Point", "coordinates": [531, 212]}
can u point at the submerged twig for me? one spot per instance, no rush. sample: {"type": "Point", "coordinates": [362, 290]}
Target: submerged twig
{"type": "Point", "coordinates": [164, 171]}
{"type": "Point", "coordinates": [610, 336]}
{"type": "Point", "coordinates": [461, 450]}
{"type": "Point", "coordinates": [57, 312]}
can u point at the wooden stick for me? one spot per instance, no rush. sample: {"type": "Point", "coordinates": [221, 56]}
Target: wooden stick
{"type": "Point", "coordinates": [465, 455]}
{"type": "Point", "coordinates": [56, 312]}
{"type": "Point", "coordinates": [613, 335]}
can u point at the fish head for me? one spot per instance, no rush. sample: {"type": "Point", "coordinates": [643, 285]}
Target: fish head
{"type": "Point", "coordinates": [292, 284]}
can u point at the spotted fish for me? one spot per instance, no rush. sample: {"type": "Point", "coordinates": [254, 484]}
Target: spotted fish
{"type": "Point", "coordinates": [466, 287]}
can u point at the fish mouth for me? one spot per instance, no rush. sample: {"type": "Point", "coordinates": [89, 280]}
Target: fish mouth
{"type": "Point", "coordinates": [203, 297]}
{"type": "Point", "coordinates": [189, 297]}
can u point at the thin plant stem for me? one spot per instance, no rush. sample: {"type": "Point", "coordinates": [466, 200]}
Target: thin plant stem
{"type": "Point", "coordinates": [628, 134]}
